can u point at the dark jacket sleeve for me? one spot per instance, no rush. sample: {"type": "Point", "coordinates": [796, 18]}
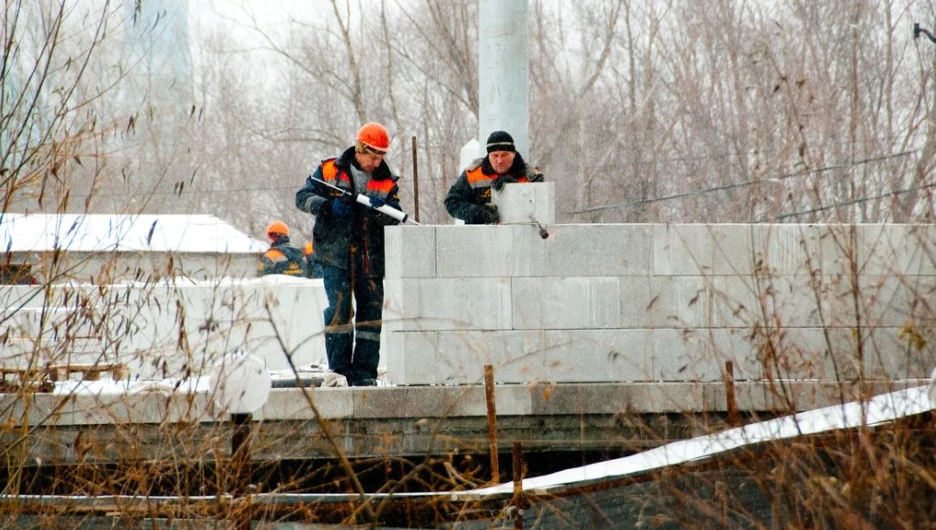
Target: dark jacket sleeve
{"type": "Point", "coordinates": [311, 197]}
{"type": "Point", "coordinates": [460, 205]}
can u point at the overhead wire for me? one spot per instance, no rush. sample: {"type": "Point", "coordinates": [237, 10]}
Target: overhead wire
{"type": "Point", "coordinates": [846, 203]}
{"type": "Point", "coordinates": [736, 185]}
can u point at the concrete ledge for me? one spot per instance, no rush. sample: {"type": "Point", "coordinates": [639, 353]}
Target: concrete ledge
{"type": "Point", "coordinates": [413, 421]}
{"type": "Point", "coordinates": [364, 403]}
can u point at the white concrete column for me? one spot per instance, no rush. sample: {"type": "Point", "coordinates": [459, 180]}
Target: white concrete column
{"type": "Point", "coordinates": [504, 71]}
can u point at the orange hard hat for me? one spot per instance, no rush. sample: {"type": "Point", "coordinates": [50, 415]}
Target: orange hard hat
{"type": "Point", "coordinates": [375, 136]}
{"type": "Point", "coordinates": [309, 248]}
{"type": "Point", "coordinates": [277, 227]}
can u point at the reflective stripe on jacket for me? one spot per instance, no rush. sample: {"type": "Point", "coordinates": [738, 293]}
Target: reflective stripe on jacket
{"type": "Point", "coordinates": [283, 258]}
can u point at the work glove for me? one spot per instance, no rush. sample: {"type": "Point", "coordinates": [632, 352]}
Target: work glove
{"type": "Point", "coordinates": [488, 215]}
{"type": "Point", "coordinates": [340, 208]}
{"type": "Point", "coordinates": [501, 180]}
{"type": "Point", "coordinates": [377, 202]}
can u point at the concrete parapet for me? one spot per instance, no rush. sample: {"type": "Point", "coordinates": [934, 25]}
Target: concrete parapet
{"type": "Point", "coordinates": [166, 329]}
{"type": "Point", "coordinates": [793, 300]}
{"type": "Point", "coordinates": [589, 303]}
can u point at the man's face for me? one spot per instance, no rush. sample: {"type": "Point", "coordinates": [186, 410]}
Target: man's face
{"type": "Point", "coordinates": [368, 161]}
{"type": "Point", "coordinates": [501, 160]}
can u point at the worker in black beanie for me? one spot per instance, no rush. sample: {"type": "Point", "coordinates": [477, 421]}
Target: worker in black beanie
{"type": "Point", "coordinates": [469, 198]}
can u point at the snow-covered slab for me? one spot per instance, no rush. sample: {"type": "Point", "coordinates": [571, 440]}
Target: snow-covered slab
{"type": "Point", "coordinates": [100, 232]}
{"type": "Point", "coordinates": [878, 410]}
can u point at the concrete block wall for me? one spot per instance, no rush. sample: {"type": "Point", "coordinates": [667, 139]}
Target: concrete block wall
{"type": "Point", "coordinates": [590, 303]}
{"type": "Point", "coordinates": [163, 329]}
{"type": "Point", "coordinates": [127, 266]}
{"type": "Point", "coordinates": [658, 302]}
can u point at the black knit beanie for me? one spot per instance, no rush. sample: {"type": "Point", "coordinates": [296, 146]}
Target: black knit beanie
{"type": "Point", "coordinates": [500, 141]}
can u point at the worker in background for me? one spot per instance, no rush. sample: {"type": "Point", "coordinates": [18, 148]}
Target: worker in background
{"type": "Point", "coordinates": [314, 267]}
{"type": "Point", "coordinates": [283, 257]}
{"type": "Point", "coordinates": [349, 243]}
{"type": "Point", "coordinates": [469, 198]}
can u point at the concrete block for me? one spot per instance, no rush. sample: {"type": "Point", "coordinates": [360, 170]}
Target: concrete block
{"type": "Point", "coordinates": [446, 304]}
{"type": "Point", "coordinates": [783, 396]}
{"type": "Point", "coordinates": [105, 409]}
{"type": "Point", "coordinates": [377, 402]}
{"type": "Point", "coordinates": [411, 357]}
{"type": "Point", "coordinates": [637, 305]}
{"type": "Point", "coordinates": [700, 355]}
{"type": "Point", "coordinates": [897, 353]}
{"type": "Point", "coordinates": [509, 400]}
{"type": "Point", "coordinates": [35, 409]}
{"type": "Point", "coordinates": [22, 322]}
{"type": "Point", "coordinates": [14, 297]}
{"type": "Point", "coordinates": [598, 250]}
{"type": "Point", "coordinates": [609, 398]}
{"type": "Point", "coordinates": [524, 203]}
{"type": "Point", "coordinates": [465, 400]}
{"type": "Point", "coordinates": [270, 320]}
{"type": "Point", "coordinates": [899, 249]}
{"type": "Point", "coordinates": [473, 251]}
{"type": "Point", "coordinates": [594, 355]}
{"type": "Point", "coordinates": [732, 249]}
{"type": "Point", "coordinates": [291, 404]}
{"type": "Point", "coordinates": [787, 301]}
{"type": "Point", "coordinates": [800, 249]}
{"type": "Point", "coordinates": [566, 303]}
{"type": "Point", "coordinates": [512, 400]}
{"type": "Point", "coordinates": [410, 251]}
{"type": "Point", "coordinates": [683, 250]}
{"type": "Point", "coordinates": [888, 301]}
{"type": "Point", "coordinates": [422, 402]}
{"type": "Point", "coordinates": [681, 301]}
{"type": "Point", "coordinates": [517, 357]}
{"type": "Point", "coordinates": [187, 407]}
{"type": "Point", "coordinates": [803, 353]}
{"type": "Point", "coordinates": [23, 353]}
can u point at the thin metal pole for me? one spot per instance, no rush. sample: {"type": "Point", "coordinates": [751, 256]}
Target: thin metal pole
{"type": "Point", "coordinates": [732, 404]}
{"type": "Point", "coordinates": [240, 458]}
{"type": "Point", "coordinates": [492, 420]}
{"type": "Point", "coordinates": [415, 183]}
{"type": "Point", "coordinates": [518, 484]}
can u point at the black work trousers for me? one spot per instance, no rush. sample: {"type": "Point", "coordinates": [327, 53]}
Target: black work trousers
{"type": "Point", "coordinates": [353, 350]}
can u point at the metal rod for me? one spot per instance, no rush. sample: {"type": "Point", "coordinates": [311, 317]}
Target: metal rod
{"type": "Point", "coordinates": [492, 420]}
{"type": "Point", "coordinates": [543, 233]}
{"type": "Point", "coordinates": [518, 484]}
{"type": "Point", "coordinates": [240, 460]}
{"type": "Point", "coordinates": [732, 404]}
{"type": "Point", "coordinates": [415, 183]}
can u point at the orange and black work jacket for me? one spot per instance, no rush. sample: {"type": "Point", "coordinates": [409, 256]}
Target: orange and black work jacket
{"type": "Point", "coordinates": [282, 258]}
{"type": "Point", "coordinates": [362, 233]}
{"type": "Point", "coordinates": [469, 196]}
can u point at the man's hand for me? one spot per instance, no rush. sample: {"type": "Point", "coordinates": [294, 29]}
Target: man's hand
{"type": "Point", "coordinates": [499, 182]}
{"type": "Point", "coordinates": [377, 202]}
{"type": "Point", "coordinates": [340, 208]}
{"type": "Point", "coordinates": [489, 215]}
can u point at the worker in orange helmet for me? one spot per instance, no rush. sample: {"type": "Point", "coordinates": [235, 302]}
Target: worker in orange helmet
{"type": "Point", "coordinates": [282, 257]}
{"type": "Point", "coordinates": [349, 243]}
